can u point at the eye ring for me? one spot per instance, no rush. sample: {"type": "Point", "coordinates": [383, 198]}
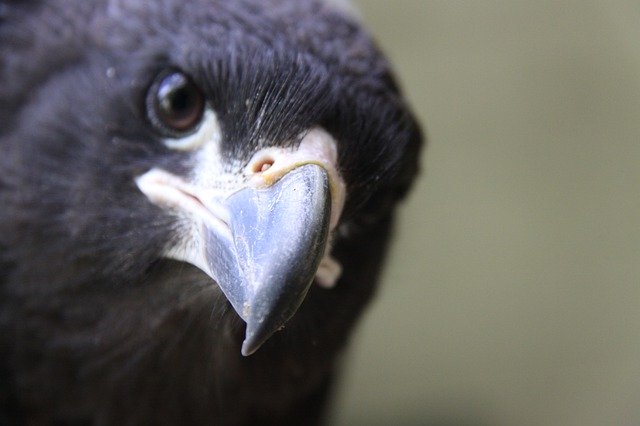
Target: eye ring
{"type": "Point", "coordinates": [174, 103]}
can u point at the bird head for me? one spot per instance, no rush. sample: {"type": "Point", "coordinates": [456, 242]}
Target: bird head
{"type": "Point", "coordinates": [242, 138]}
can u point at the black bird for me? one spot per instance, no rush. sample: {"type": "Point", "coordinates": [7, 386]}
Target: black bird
{"type": "Point", "coordinates": [176, 177]}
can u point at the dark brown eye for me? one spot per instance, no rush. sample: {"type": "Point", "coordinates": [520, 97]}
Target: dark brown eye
{"type": "Point", "coordinates": [174, 103]}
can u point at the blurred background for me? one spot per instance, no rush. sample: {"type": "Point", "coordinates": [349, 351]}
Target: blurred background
{"type": "Point", "coordinates": [513, 292]}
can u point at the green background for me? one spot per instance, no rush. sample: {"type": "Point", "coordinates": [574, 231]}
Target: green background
{"type": "Point", "coordinates": [512, 295]}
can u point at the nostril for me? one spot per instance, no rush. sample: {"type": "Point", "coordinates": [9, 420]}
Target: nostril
{"type": "Point", "coordinates": [262, 165]}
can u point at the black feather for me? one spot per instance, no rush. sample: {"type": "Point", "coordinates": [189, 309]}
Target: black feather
{"type": "Point", "coordinates": [94, 325]}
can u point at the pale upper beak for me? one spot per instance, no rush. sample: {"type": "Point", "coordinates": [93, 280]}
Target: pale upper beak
{"type": "Point", "coordinates": [263, 242]}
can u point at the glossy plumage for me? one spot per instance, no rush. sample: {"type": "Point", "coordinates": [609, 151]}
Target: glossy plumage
{"type": "Point", "coordinates": [95, 324]}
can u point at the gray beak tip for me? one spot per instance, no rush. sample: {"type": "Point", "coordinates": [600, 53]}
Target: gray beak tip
{"type": "Point", "coordinates": [248, 348]}
{"type": "Point", "coordinates": [253, 341]}
{"type": "Point", "coordinates": [256, 333]}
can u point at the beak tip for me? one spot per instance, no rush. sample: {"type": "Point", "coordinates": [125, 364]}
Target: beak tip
{"type": "Point", "coordinates": [247, 349]}
{"type": "Point", "coordinates": [255, 336]}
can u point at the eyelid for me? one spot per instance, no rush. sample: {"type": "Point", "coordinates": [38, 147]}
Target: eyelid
{"type": "Point", "coordinates": [207, 130]}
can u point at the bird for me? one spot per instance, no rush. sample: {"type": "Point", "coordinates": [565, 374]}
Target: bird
{"type": "Point", "coordinates": [197, 201]}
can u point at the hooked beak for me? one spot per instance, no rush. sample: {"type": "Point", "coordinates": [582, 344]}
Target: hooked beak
{"type": "Point", "coordinates": [278, 236]}
{"type": "Point", "coordinates": [262, 243]}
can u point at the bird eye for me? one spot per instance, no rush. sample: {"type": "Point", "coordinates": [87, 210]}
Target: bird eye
{"type": "Point", "coordinates": [174, 103]}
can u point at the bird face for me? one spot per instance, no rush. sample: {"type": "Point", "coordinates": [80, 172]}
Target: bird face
{"type": "Point", "coordinates": [245, 139]}
{"type": "Point", "coordinates": [260, 229]}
